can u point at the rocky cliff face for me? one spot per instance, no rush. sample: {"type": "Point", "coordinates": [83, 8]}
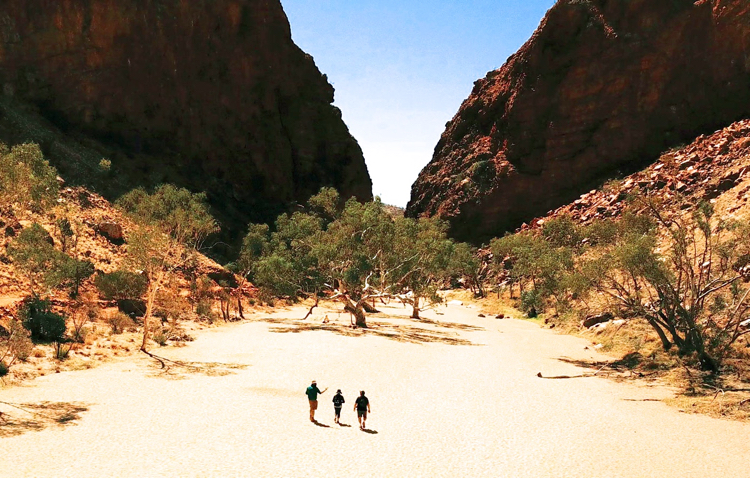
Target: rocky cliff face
{"type": "Point", "coordinates": [599, 90]}
{"type": "Point", "coordinates": [208, 94]}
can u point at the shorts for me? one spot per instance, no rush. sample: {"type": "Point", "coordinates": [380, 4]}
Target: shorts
{"type": "Point", "coordinates": [362, 413]}
{"type": "Point", "coordinates": [313, 405]}
{"type": "Point", "coordinates": [337, 410]}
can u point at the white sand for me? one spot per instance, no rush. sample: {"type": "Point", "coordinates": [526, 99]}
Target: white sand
{"type": "Point", "coordinates": [438, 409]}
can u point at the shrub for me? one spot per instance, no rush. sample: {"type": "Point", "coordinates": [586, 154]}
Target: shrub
{"type": "Point", "coordinates": [19, 343]}
{"type": "Point", "coordinates": [120, 322]}
{"type": "Point", "coordinates": [203, 309]}
{"type": "Point", "coordinates": [532, 303]}
{"type": "Point", "coordinates": [38, 318]}
{"type": "Point", "coordinates": [161, 336]}
{"type": "Point", "coordinates": [34, 253]}
{"type": "Point", "coordinates": [120, 285]}
{"type": "Point", "coordinates": [26, 178]}
{"type": "Point", "coordinates": [3, 369]}
{"type": "Point", "coordinates": [62, 350]}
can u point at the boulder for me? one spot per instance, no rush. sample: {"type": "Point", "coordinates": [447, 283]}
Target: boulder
{"type": "Point", "coordinates": [132, 307]}
{"type": "Point", "coordinates": [111, 230]}
{"type": "Point", "coordinates": [592, 320]}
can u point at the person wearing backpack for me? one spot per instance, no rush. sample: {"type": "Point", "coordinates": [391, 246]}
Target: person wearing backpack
{"type": "Point", "coordinates": [338, 402]}
{"type": "Point", "coordinates": [362, 405]}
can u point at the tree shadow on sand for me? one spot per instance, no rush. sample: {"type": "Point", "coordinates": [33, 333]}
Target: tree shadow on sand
{"type": "Point", "coordinates": [399, 333]}
{"type": "Point", "coordinates": [179, 369]}
{"type": "Point", "coordinates": [450, 325]}
{"type": "Point", "coordinates": [31, 417]}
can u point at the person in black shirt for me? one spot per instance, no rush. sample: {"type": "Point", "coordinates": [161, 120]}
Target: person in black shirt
{"type": "Point", "coordinates": [338, 402]}
{"type": "Point", "coordinates": [362, 405]}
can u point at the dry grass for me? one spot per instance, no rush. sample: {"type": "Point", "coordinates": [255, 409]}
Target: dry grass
{"type": "Point", "coordinates": [641, 357]}
{"type": "Point", "coordinates": [728, 405]}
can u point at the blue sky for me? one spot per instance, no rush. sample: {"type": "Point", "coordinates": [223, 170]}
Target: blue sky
{"type": "Point", "coordinates": [402, 68]}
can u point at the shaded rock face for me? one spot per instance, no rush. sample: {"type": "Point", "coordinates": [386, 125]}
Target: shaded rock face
{"type": "Point", "coordinates": [208, 94]}
{"type": "Point", "coordinates": [600, 89]}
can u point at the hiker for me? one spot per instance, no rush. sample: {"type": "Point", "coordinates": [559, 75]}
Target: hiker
{"type": "Point", "coordinates": [362, 405]}
{"type": "Point", "coordinates": [338, 402]}
{"type": "Point", "coordinates": [312, 395]}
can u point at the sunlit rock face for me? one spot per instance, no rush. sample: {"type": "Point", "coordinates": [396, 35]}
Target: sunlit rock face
{"type": "Point", "coordinates": [208, 94]}
{"type": "Point", "coordinates": [600, 89]}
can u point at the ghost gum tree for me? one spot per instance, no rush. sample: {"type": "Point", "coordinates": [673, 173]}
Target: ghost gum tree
{"type": "Point", "coordinates": [173, 224]}
{"type": "Point", "coordinates": [353, 252]}
{"type": "Point", "coordinates": [422, 257]}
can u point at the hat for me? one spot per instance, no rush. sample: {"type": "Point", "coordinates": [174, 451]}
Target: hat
{"type": "Point", "coordinates": [338, 391]}
{"type": "Point", "coordinates": [314, 381]}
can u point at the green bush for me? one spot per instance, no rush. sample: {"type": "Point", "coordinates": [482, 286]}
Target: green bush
{"type": "Point", "coordinates": [3, 369]}
{"type": "Point", "coordinates": [120, 322]}
{"type": "Point", "coordinates": [121, 285]}
{"type": "Point", "coordinates": [38, 318]}
{"type": "Point", "coordinates": [161, 336]}
{"type": "Point", "coordinates": [532, 303]}
{"type": "Point", "coordinates": [204, 309]}
{"type": "Point", "coordinates": [19, 343]}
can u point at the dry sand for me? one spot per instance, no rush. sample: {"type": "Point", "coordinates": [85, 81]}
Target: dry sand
{"type": "Point", "coordinates": [457, 399]}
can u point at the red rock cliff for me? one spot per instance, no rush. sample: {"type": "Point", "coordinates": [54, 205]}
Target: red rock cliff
{"type": "Point", "coordinates": [209, 94]}
{"type": "Point", "coordinates": [601, 88]}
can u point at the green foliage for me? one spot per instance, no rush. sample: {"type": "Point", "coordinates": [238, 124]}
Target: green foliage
{"type": "Point", "coordinates": [65, 232]}
{"type": "Point", "coordinates": [38, 318]}
{"type": "Point", "coordinates": [176, 212]}
{"type": "Point", "coordinates": [17, 345]}
{"type": "Point", "coordinates": [161, 336]}
{"type": "Point", "coordinates": [26, 178]}
{"type": "Point", "coordinates": [173, 223]}
{"type": "Point", "coordinates": [355, 252]}
{"type": "Point", "coordinates": [120, 322]}
{"type": "Point", "coordinates": [121, 284]}
{"type": "Point", "coordinates": [4, 369]}
{"type": "Point", "coordinates": [542, 261]}
{"type": "Point", "coordinates": [421, 259]}
{"type": "Point", "coordinates": [531, 303]}
{"type": "Point", "coordinates": [562, 232]}
{"type": "Point", "coordinates": [682, 273]}
{"type": "Point", "coordinates": [34, 253]}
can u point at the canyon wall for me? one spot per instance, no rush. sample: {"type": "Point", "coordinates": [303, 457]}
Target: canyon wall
{"type": "Point", "coordinates": [212, 95]}
{"type": "Point", "coordinates": [599, 91]}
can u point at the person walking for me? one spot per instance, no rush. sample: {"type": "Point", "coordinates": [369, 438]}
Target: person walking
{"type": "Point", "coordinates": [362, 405]}
{"type": "Point", "coordinates": [338, 402]}
{"type": "Point", "coordinates": [312, 396]}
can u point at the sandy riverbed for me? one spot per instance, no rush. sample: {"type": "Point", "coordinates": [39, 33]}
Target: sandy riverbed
{"type": "Point", "coordinates": [457, 398]}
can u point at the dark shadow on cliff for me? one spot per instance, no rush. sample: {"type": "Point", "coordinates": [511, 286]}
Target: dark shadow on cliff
{"type": "Point", "coordinates": [22, 418]}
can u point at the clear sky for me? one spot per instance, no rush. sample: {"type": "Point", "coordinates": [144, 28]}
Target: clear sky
{"type": "Point", "coordinates": [401, 69]}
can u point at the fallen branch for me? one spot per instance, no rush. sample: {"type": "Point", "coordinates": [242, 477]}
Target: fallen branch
{"type": "Point", "coordinates": [309, 312]}
{"type": "Point", "coordinates": [572, 376]}
{"type": "Point", "coordinates": [20, 408]}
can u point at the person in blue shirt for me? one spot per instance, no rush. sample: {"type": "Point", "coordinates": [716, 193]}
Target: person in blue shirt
{"type": "Point", "coordinates": [312, 396]}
